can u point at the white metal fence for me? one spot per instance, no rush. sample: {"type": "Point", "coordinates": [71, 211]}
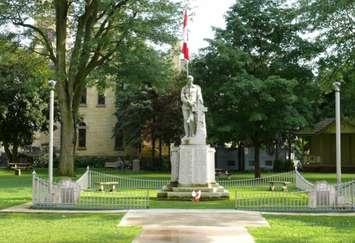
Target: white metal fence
{"type": "Point", "coordinates": [308, 197]}
{"type": "Point", "coordinates": [253, 182]}
{"type": "Point", "coordinates": [85, 194]}
{"type": "Point", "coordinates": [125, 182]}
{"type": "Point", "coordinates": [98, 190]}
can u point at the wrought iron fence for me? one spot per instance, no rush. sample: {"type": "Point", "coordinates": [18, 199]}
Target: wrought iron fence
{"type": "Point", "coordinates": [323, 197]}
{"type": "Point", "coordinates": [81, 194]}
{"type": "Point", "coordinates": [302, 183]}
{"type": "Point", "coordinates": [98, 190]}
{"type": "Point", "coordinates": [253, 182]}
{"type": "Point", "coordinates": [125, 182]}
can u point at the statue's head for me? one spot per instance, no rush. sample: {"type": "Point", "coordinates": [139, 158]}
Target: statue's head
{"type": "Point", "coordinates": [190, 80]}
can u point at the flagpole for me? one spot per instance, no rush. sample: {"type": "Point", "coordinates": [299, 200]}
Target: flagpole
{"type": "Point", "coordinates": [185, 47]}
{"type": "Point", "coordinates": [187, 68]}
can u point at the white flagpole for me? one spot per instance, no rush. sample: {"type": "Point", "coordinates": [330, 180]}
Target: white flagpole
{"type": "Point", "coordinates": [187, 68]}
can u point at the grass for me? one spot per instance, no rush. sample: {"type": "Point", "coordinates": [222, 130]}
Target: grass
{"type": "Point", "coordinates": [17, 189]}
{"type": "Point", "coordinates": [329, 177]}
{"type": "Point", "coordinates": [39, 228]}
{"type": "Point", "coordinates": [14, 189]}
{"type": "Point", "coordinates": [306, 229]}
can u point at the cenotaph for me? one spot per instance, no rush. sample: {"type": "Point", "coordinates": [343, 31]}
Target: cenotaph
{"type": "Point", "coordinates": [193, 162]}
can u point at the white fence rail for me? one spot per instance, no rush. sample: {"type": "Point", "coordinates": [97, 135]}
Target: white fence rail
{"type": "Point", "coordinates": [98, 190]}
{"type": "Point", "coordinates": [80, 195]}
{"type": "Point", "coordinates": [263, 181]}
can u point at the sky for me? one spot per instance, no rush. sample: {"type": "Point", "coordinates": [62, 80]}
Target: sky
{"type": "Point", "coordinates": [205, 15]}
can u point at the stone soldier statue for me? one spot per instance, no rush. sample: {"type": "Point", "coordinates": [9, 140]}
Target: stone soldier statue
{"type": "Point", "coordinates": [193, 111]}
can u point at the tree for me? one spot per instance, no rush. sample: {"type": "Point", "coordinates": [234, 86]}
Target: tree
{"type": "Point", "coordinates": [147, 98]}
{"type": "Point", "coordinates": [22, 97]}
{"type": "Point", "coordinates": [256, 87]}
{"type": "Point", "coordinates": [332, 24]}
{"type": "Point", "coordinates": [87, 35]}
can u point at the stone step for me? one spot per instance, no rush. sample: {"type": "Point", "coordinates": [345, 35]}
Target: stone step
{"type": "Point", "coordinates": [203, 189]}
{"type": "Point", "coordinates": [190, 189]}
{"type": "Point", "coordinates": [204, 195]}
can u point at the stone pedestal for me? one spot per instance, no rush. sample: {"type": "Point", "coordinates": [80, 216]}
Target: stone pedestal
{"type": "Point", "coordinates": [193, 168]}
{"type": "Point", "coordinates": [196, 165]}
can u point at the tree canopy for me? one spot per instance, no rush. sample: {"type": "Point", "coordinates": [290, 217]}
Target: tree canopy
{"type": "Point", "coordinates": [78, 37]}
{"type": "Point", "coordinates": [254, 83]}
{"type": "Point", "coordinates": [23, 96]}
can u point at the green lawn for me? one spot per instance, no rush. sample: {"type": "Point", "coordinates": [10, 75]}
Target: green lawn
{"type": "Point", "coordinates": [17, 189]}
{"type": "Point", "coordinates": [103, 228]}
{"type": "Point", "coordinates": [14, 189]}
{"type": "Point", "coordinates": [306, 229]}
{"type": "Point", "coordinates": [39, 228]}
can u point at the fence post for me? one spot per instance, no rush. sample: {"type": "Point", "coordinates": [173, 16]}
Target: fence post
{"type": "Point", "coordinates": [34, 189]}
{"type": "Point", "coordinates": [352, 195]}
{"type": "Point", "coordinates": [235, 200]}
{"type": "Point", "coordinates": [89, 177]}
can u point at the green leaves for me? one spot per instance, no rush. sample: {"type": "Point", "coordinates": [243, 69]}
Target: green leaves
{"type": "Point", "coordinates": [23, 95]}
{"type": "Point", "coordinates": [254, 86]}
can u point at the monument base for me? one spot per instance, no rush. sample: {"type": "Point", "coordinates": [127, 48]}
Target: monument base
{"type": "Point", "coordinates": [210, 191]}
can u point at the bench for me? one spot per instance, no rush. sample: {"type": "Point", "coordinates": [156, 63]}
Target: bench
{"type": "Point", "coordinates": [110, 185]}
{"type": "Point", "coordinates": [17, 167]}
{"type": "Point", "coordinates": [283, 185]}
{"type": "Point", "coordinates": [114, 165]}
{"type": "Point", "coordinates": [221, 172]}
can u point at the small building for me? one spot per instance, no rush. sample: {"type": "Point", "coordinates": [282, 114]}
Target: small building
{"type": "Point", "coordinates": [243, 160]}
{"type": "Point", "coordinates": [322, 144]}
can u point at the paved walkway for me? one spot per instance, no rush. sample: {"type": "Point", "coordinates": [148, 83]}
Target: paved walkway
{"type": "Point", "coordinates": [167, 226]}
{"type": "Point", "coordinates": [26, 208]}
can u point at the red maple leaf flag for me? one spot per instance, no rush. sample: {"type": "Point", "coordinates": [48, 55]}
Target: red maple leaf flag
{"type": "Point", "coordinates": [185, 47]}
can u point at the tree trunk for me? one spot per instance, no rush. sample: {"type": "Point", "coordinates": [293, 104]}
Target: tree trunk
{"type": "Point", "coordinates": [65, 92]}
{"type": "Point", "coordinates": [66, 165]}
{"type": "Point", "coordinates": [11, 154]}
{"type": "Point", "coordinates": [160, 151]}
{"type": "Point", "coordinates": [277, 150]}
{"type": "Point", "coordinates": [153, 150]}
{"type": "Point", "coordinates": [241, 157]}
{"type": "Point", "coordinates": [257, 171]}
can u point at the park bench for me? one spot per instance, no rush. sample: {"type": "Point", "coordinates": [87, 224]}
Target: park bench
{"type": "Point", "coordinates": [17, 167]}
{"type": "Point", "coordinates": [115, 164]}
{"type": "Point", "coordinates": [108, 185]}
{"type": "Point", "coordinates": [283, 185]}
{"type": "Point", "coordinates": [222, 173]}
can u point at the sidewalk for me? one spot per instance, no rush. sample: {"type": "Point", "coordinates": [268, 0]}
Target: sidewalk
{"type": "Point", "coordinates": [26, 208]}
{"type": "Point", "coordinates": [195, 226]}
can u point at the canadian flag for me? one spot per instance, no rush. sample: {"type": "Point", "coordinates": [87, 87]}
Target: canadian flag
{"type": "Point", "coordinates": [185, 47]}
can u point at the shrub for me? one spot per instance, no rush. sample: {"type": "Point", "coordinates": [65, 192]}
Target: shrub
{"type": "Point", "coordinates": [283, 165]}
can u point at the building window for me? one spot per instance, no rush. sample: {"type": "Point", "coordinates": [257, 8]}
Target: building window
{"type": "Point", "coordinates": [83, 97]}
{"type": "Point", "coordinates": [101, 99]}
{"type": "Point", "coordinates": [268, 162]}
{"type": "Point", "coordinates": [82, 135]}
{"type": "Point", "coordinates": [251, 163]}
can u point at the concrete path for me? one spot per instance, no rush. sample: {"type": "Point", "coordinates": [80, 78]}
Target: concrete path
{"type": "Point", "coordinates": [165, 226]}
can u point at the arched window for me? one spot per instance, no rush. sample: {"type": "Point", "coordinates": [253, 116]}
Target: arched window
{"type": "Point", "coordinates": [82, 135]}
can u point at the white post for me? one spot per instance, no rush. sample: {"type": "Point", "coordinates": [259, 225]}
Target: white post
{"type": "Point", "coordinates": [338, 131]}
{"type": "Point", "coordinates": [51, 121]}
{"type": "Point", "coordinates": [187, 68]}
